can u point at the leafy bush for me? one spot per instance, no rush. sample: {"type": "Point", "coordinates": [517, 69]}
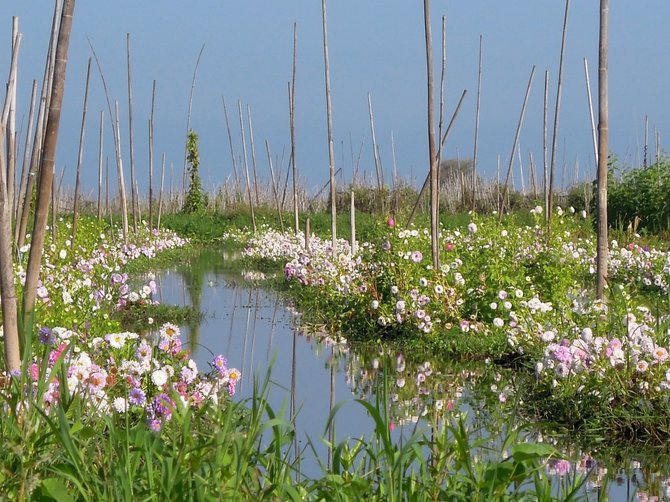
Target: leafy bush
{"type": "Point", "coordinates": [641, 193]}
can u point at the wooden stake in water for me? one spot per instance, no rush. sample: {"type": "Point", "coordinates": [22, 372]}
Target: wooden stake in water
{"type": "Point", "coordinates": [246, 166]}
{"type": "Point", "coordinates": [25, 167]}
{"type": "Point", "coordinates": [151, 156]}
{"type": "Point", "coordinates": [474, 153]}
{"type": "Point", "coordinates": [131, 146]}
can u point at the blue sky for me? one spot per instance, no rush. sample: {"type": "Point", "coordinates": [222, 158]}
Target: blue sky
{"type": "Point", "coordinates": [375, 46]}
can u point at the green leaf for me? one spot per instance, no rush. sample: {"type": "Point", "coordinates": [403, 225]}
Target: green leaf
{"type": "Point", "coordinates": [56, 489]}
{"type": "Point", "coordinates": [532, 451]}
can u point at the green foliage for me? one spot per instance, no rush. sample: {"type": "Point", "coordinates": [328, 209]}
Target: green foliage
{"type": "Point", "coordinates": [196, 200]}
{"type": "Point", "coordinates": [641, 193]}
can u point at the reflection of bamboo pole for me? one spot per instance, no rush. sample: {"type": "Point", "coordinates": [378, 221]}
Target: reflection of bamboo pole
{"type": "Point", "coordinates": [246, 336]}
{"type": "Point", "coordinates": [331, 405]}
{"type": "Point", "coordinates": [253, 333]}
{"type": "Point", "coordinates": [292, 407]}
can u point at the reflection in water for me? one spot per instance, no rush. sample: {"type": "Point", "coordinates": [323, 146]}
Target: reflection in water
{"type": "Point", "coordinates": [312, 371]}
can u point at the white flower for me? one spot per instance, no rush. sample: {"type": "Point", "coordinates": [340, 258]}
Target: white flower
{"type": "Point", "coordinates": [472, 228]}
{"type": "Point", "coordinates": [374, 305]}
{"type": "Point", "coordinates": [116, 340]}
{"type": "Point", "coordinates": [548, 336]}
{"type": "Point", "coordinates": [159, 377]}
{"type": "Point", "coordinates": [62, 254]}
{"type": "Point", "coordinates": [498, 322]}
{"type": "Point", "coordinates": [120, 404]}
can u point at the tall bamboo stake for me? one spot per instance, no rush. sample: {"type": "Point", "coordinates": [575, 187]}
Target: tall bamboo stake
{"type": "Point", "coordinates": [160, 194]}
{"type": "Point", "coordinates": [151, 156]}
{"type": "Point", "coordinates": [593, 122]}
{"type": "Point", "coordinates": [275, 189]}
{"type": "Point", "coordinates": [188, 117]}
{"type": "Point", "coordinates": [114, 121]}
{"type": "Point", "coordinates": [25, 166]}
{"type": "Point", "coordinates": [557, 110]}
{"type": "Point", "coordinates": [329, 118]}
{"type": "Point", "coordinates": [232, 150]}
{"type": "Point", "coordinates": [122, 184]}
{"type": "Point", "coordinates": [42, 117]}
{"type": "Point", "coordinates": [352, 220]}
{"type": "Point", "coordinates": [10, 123]}
{"type": "Point", "coordinates": [47, 164]}
{"type": "Point", "coordinates": [9, 305]}
{"type": "Point", "coordinates": [293, 172]}
{"type": "Point", "coordinates": [645, 162]}
{"type": "Point", "coordinates": [545, 159]}
{"type": "Point", "coordinates": [100, 148]}
{"type": "Point", "coordinates": [433, 158]}
{"type": "Point", "coordinates": [253, 154]}
{"type": "Point", "coordinates": [246, 166]}
{"type": "Point", "coordinates": [80, 156]}
{"type": "Point", "coordinates": [131, 146]}
{"type": "Point", "coordinates": [374, 144]}
{"type": "Point", "coordinates": [442, 142]}
{"type": "Point", "coordinates": [516, 141]}
{"type": "Point", "coordinates": [474, 153]}
{"type": "Point", "coordinates": [603, 130]}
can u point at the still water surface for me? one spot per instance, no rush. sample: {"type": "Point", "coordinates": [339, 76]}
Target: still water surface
{"type": "Point", "coordinates": [255, 329]}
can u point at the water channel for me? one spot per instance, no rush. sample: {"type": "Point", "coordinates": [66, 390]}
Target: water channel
{"type": "Point", "coordinates": [256, 329]}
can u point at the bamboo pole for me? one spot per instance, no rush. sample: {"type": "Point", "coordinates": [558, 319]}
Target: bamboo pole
{"type": "Point", "coordinates": [25, 166]}
{"type": "Point", "coordinates": [12, 345]}
{"type": "Point", "coordinates": [545, 158]}
{"type": "Point", "coordinates": [80, 156]}
{"type": "Point", "coordinates": [47, 165]}
{"type": "Point", "coordinates": [114, 121]}
{"type": "Point", "coordinates": [352, 220]}
{"type": "Point", "coordinates": [593, 122]}
{"type": "Point", "coordinates": [160, 193]}
{"type": "Point", "coordinates": [432, 151]}
{"type": "Point", "coordinates": [374, 144]}
{"type": "Point", "coordinates": [122, 184]}
{"type": "Point", "coordinates": [516, 141]}
{"type": "Point", "coordinates": [151, 156]}
{"type": "Point", "coordinates": [188, 117]}
{"type": "Point", "coordinates": [232, 150]}
{"type": "Point", "coordinates": [275, 189]}
{"type": "Point", "coordinates": [246, 166]}
{"type": "Point", "coordinates": [329, 119]}
{"type": "Point", "coordinates": [100, 148]}
{"type": "Point", "coordinates": [442, 142]}
{"type": "Point", "coordinates": [131, 146]}
{"type": "Point", "coordinates": [645, 162]}
{"type": "Point", "coordinates": [557, 111]}
{"type": "Point", "coordinates": [253, 154]}
{"type": "Point", "coordinates": [42, 117]}
{"type": "Point", "coordinates": [474, 153]}
{"type": "Point", "coordinates": [10, 123]}
{"type": "Point", "coordinates": [603, 132]}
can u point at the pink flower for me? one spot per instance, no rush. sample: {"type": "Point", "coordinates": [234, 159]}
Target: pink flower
{"type": "Point", "coordinates": [390, 222]}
